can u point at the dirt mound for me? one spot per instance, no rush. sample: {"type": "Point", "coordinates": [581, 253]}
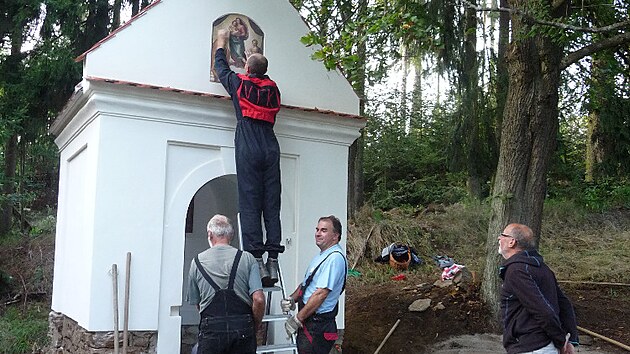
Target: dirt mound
{"type": "Point", "coordinates": [372, 310]}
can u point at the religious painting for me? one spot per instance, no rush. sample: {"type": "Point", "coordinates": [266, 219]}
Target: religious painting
{"type": "Point", "coordinates": [246, 38]}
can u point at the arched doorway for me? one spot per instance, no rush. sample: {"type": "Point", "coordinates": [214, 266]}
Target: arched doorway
{"type": "Point", "coordinates": [218, 196]}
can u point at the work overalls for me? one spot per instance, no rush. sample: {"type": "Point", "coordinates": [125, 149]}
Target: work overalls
{"type": "Point", "coordinates": [256, 102]}
{"type": "Point", "coordinates": [227, 324]}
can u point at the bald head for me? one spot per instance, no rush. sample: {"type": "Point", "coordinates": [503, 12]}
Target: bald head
{"type": "Point", "coordinates": [257, 64]}
{"type": "Point", "coordinates": [523, 235]}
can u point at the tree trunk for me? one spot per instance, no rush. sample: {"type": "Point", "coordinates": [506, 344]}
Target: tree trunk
{"type": "Point", "coordinates": [116, 14]}
{"type": "Point", "coordinates": [470, 113]}
{"type": "Point", "coordinates": [356, 180]}
{"type": "Point", "coordinates": [594, 150]}
{"type": "Point", "coordinates": [528, 136]}
{"type": "Point", "coordinates": [135, 7]}
{"type": "Point", "coordinates": [502, 74]}
{"type": "Point", "coordinates": [8, 187]}
{"type": "Point", "coordinates": [417, 113]}
{"type": "Point", "coordinates": [403, 84]}
{"type": "Point", "coordinates": [13, 68]}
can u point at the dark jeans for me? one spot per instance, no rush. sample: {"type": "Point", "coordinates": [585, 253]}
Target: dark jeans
{"type": "Point", "coordinates": [227, 335]}
{"type": "Point", "coordinates": [317, 336]}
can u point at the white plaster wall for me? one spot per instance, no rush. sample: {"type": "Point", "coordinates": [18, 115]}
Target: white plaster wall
{"type": "Point", "coordinates": [169, 46]}
{"type": "Point", "coordinates": [74, 251]}
{"type": "Point", "coordinates": [148, 153]}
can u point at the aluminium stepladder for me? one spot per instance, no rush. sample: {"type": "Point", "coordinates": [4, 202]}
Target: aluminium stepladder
{"type": "Point", "coordinates": [273, 321]}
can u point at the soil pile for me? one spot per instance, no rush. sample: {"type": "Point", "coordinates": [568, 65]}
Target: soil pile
{"type": "Point", "coordinates": [372, 310]}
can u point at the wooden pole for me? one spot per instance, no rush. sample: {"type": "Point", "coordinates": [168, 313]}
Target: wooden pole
{"type": "Point", "coordinates": [387, 336]}
{"type": "Point", "coordinates": [612, 341]}
{"type": "Point", "coordinates": [363, 248]}
{"type": "Point", "coordinates": [115, 285]}
{"type": "Point", "coordinates": [126, 311]}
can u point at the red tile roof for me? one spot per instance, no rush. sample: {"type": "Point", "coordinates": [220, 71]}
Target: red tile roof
{"type": "Point", "coordinates": [202, 94]}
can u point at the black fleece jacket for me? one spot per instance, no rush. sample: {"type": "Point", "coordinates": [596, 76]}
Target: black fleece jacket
{"type": "Point", "coordinates": [535, 311]}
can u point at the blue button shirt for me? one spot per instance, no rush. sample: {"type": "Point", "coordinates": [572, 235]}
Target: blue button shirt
{"type": "Point", "coordinates": [330, 275]}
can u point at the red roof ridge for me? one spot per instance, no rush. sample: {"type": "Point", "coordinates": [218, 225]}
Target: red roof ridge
{"type": "Point", "coordinates": [203, 94]}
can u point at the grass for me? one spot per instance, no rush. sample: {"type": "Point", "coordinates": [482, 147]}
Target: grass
{"type": "Point", "coordinates": [578, 245]}
{"type": "Point", "coordinates": [26, 267]}
{"type": "Point", "coordinates": [587, 247]}
{"type": "Point", "coordinates": [458, 231]}
{"type": "Point", "coordinates": [24, 330]}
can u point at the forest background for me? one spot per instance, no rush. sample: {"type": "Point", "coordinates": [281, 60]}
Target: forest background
{"type": "Point", "coordinates": [507, 104]}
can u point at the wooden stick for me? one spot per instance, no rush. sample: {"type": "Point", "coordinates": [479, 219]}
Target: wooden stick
{"type": "Point", "coordinates": [387, 336]}
{"type": "Point", "coordinates": [115, 284]}
{"type": "Point", "coordinates": [612, 341]}
{"type": "Point", "coordinates": [592, 283]}
{"type": "Point", "coordinates": [126, 312]}
{"type": "Point", "coordinates": [364, 247]}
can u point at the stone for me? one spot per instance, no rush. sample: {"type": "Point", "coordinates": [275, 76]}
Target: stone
{"type": "Point", "coordinates": [439, 306]}
{"type": "Point", "coordinates": [464, 277]}
{"type": "Point", "coordinates": [69, 337]}
{"type": "Point", "coordinates": [586, 339]}
{"type": "Point", "coordinates": [420, 305]}
{"type": "Point", "coordinates": [443, 284]}
{"type": "Point", "coordinates": [101, 340]}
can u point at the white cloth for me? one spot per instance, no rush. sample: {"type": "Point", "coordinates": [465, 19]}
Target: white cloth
{"type": "Point", "coordinates": [548, 349]}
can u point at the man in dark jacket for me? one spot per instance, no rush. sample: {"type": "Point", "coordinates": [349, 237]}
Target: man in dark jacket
{"type": "Point", "coordinates": [537, 316]}
{"type": "Point", "coordinates": [256, 101]}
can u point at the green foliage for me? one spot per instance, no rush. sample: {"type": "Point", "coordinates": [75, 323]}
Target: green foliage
{"type": "Point", "coordinates": [24, 331]}
{"type": "Point", "coordinates": [340, 30]}
{"type": "Point", "coordinates": [404, 165]}
{"type": "Point", "coordinates": [602, 195]}
{"type": "Point", "coordinates": [45, 223]}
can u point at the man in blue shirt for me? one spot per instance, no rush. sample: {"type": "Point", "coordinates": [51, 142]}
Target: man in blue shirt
{"type": "Point", "coordinates": [318, 295]}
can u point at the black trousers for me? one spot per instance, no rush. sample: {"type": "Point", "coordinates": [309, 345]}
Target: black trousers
{"type": "Point", "coordinates": [259, 188]}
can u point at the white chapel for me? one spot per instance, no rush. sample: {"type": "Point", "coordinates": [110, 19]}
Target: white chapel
{"type": "Point", "coordinates": [147, 158]}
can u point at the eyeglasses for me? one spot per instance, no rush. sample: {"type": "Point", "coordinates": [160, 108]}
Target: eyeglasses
{"type": "Point", "coordinates": [506, 235]}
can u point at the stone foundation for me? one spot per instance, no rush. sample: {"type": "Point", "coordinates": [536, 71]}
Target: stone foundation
{"type": "Point", "coordinates": [68, 337]}
{"type": "Point", "coordinates": [189, 338]}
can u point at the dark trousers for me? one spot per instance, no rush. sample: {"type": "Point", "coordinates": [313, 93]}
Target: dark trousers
{"type": "Point", "coordinates": [258, 175]}
{"type": "Point", "coordinates": [317, 335]}
{"type": "Point", "coordinates": [227, 335]}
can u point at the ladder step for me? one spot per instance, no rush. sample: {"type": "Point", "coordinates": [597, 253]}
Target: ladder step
{"type": "Point", "coordinates": [273, 318]}
{"type": "Point", "coordinates": [275, 348]}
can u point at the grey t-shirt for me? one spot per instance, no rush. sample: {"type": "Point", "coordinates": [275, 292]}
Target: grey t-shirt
{"type": "Point", "coordinates": [217, 261]}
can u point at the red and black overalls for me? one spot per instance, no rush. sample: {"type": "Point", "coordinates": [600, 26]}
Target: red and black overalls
{"type": "Point", "coordinates": [256, 102]}
{"type": "Point", "coordinates": [227, 324]}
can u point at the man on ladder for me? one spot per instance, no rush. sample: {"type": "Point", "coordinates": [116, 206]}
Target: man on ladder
{"type": "Point", "coordinates": [256, 101]}
{"type": "Point", "coordinates": [318, 295]}
{"type": "Point", "coordinates": [224, 284]}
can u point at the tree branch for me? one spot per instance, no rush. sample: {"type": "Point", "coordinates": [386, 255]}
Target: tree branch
{"type": "Point", "coordinates": [607, 43]}
{"type": "Point", "coordinates": [609, 28]}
